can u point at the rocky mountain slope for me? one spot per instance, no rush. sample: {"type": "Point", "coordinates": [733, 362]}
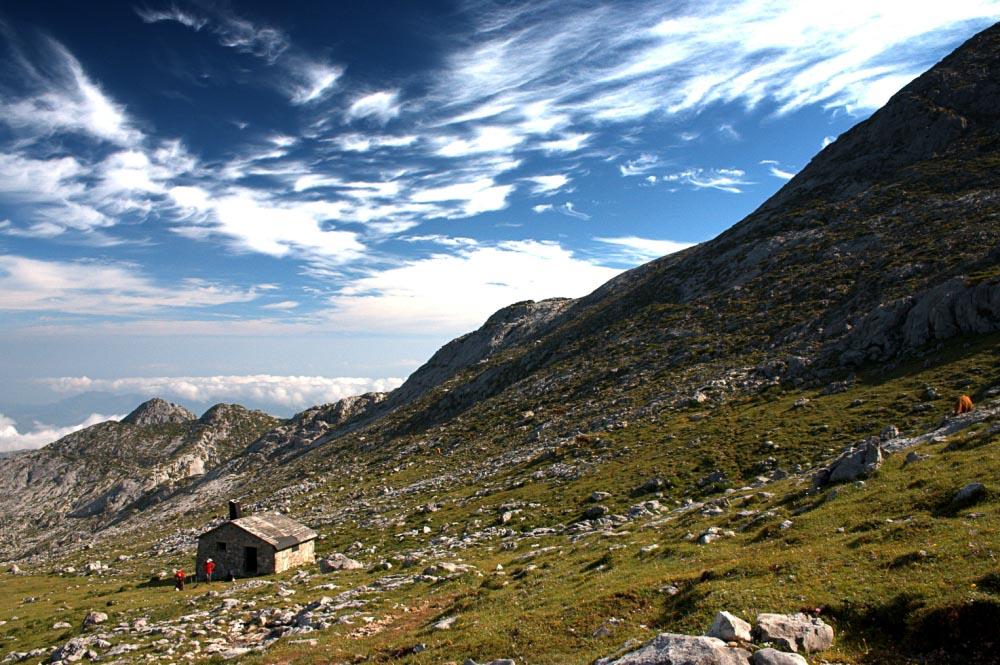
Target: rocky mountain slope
{"type": "Point", "coordinates": [726, 428]}
{"type": "Point", "coordinates": [104, 473]}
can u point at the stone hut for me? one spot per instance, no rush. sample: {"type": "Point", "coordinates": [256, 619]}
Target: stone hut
{"type": "Point", "coordinates": [255, 545]}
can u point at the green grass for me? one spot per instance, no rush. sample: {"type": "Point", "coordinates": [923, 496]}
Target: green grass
{"type": "Point", "coordinates": [882, 562]}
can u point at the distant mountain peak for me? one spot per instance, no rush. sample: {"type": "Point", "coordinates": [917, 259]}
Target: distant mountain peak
{"type": "Point", "coordinates": [158, 412]}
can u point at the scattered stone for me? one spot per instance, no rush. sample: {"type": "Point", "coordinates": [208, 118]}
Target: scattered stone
{"type": "Point", "coordinates": [729, 628]}
{"type": "Point", "coordinates": [668, 648]}
{"type": "Point", "coordinates": [774, 657]}
{"type": "Point", "coordinates": [889, 432]}
{"type": "Point", "coordinates": [597, 497]}
{"type": "Point", "coordinates": [698, 398]}
{"type": "Point", "coordinates": [59, 625]}
{"type": "Point", "coordinates": [14, 570]}
{"type": "Point", "coordinates": [792, 632]}
{"type": "Point", "coordinates": [94, 618]}
{"type": "Point", "coordinates": [446, 623]}
{"type": "Point", "coordinates": [595, 512]}
{"type": "Point", "coordinates": [656, 484]}
{"type": "Point", "coordinates": [858, 462]}
{"type": "Point", "coordinates": [712, 479]}
{"type": "Point", "coordinates": [70, 652]}
{"type": "Point", "coordinates": [339, 561]}
{"type": "Point", "coordinates": [969, 495]}
{"type": "Point", "coordinates": [913, 456]}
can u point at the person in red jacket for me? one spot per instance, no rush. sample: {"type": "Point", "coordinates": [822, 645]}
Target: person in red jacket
{"type": "Point", "coordinates": [179, 580]}
{"type": "Point", "coordinates": [209, 569]}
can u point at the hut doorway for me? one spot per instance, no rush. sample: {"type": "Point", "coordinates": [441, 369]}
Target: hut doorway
{"type": "Point", "coordinates": [250, 560]}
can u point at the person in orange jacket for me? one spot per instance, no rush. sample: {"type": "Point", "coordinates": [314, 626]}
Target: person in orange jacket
{"type": "Point", "coordinates": [179, 580]}
{"type": "Point", "coordinates": [964, 405]}
{"type": "Point", "coordinates": [209, 569]}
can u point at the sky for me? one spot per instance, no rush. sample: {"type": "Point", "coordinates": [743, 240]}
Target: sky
{"type": "Point", "coordinates": [285, 204]}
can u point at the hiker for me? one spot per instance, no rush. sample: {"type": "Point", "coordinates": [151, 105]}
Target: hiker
{"type": "Point", "coordinates": [179, 580]}
{"type": "Point", "coordinates": [209, 568]}
{"type": "Point", "coordinates": [964, 405]}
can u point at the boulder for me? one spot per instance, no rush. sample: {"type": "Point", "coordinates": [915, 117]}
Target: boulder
{"type": "Point", "coordinates": [775, 657]}
{"type": "Point", "coordinates": [729, 628]}
{"type": "Point", "coordinates": [673, 649]}
{"type": "Point", "coordinates": [858, 462]}
{"type": "Point", "coordinates": [70, 652]}
{"type": "Point", "coordinates": [968, 495]}
{"type": "Point", "coordinates": [339, 561]}
{"type": "Point", "coordinates": [94, 618]}
{"type": "Point", "coordinates": [792, 632]}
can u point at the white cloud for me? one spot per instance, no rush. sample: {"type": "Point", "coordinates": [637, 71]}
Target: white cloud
{"type": "Point", "coordinates": [287, 391]}
{"type": "Point", "coordinates": [284, 305]}
{"type": "Point", "coordinates": [453, 293]}
{"type": "Point", "coordinates": [383, 106]}
{"type": "Point", "coordinates": [104, 289]}
{"type": "Point", "coordinates": [366, 142]}
{"type": "Point", "coordinates": [39, 180]}
{"type": "Point", "coordinates": [172, 14]}
{"type": "Point", "coordinates": [493, 139]}
{"type": "Point", "coordinates": [247, 37]}
{"type": "Point", "coordinates": [644, 249]}
{"type": "Point", "coordinates": [780, 173]}
{"type": "Point", "coordinates": [614, 63]}
{"type": "Point", "coordinates": [313, 80]}
{"type": "Point", "coordinates": [726, 180]}
{"type": "Point", "coordinates": [548, 184]}
{"type": "Point", "coordinates": [639, 166]}
{"type": "Point", "coordinates": [569, 143]}
{"type": "Point", "coordinates": [40, 434]}
{"type": "Point", "coordinates": [258, 223]}
{"type": "Point", "coordinates": [542, 207]}
{"type": "Point", "coordinates": [65, 99]}
{"type": "Point", "coordinates": [570, 210]}
{"type": "Point", "coordinates": [477, 196]}
{"type": "Point", "coordinates": [827, 140]}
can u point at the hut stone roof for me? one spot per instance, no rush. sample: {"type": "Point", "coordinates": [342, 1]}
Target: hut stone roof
{"type": "Point", "coordinates": [274, 528]}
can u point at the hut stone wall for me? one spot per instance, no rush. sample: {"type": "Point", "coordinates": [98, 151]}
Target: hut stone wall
{"type": "Point", "coordinates": [231, 559]}
{"type": "Point", "coordinates": [295, 556]}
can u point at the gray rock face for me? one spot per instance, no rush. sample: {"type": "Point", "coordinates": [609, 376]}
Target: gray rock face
{"type": "Point", "coordinates": [729, 628]}
{"type": "Point", "coordinates": [158, 412]}
{"type": "Point", "coordinates": [774, 657]}
{"type": "Point", "coordinates": [859, 462]}
{"type": "Point", "coordinates": [948, 309]}
{"type": "Point", "coordinates": [339, 561]}
{"type": "Point", "coordinates": [794, 632]}
{"type": "Point", "coordinates": [507, 327]}
{"type": "Point", "coordinates": [673, 649]}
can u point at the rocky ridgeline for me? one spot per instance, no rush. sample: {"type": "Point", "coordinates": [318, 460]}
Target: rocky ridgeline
{"type": "Point", "coordinates": [158, 412]}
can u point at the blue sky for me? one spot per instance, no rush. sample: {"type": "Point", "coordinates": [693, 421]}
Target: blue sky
{"type": "Point", "coordinates": [283, 205]}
